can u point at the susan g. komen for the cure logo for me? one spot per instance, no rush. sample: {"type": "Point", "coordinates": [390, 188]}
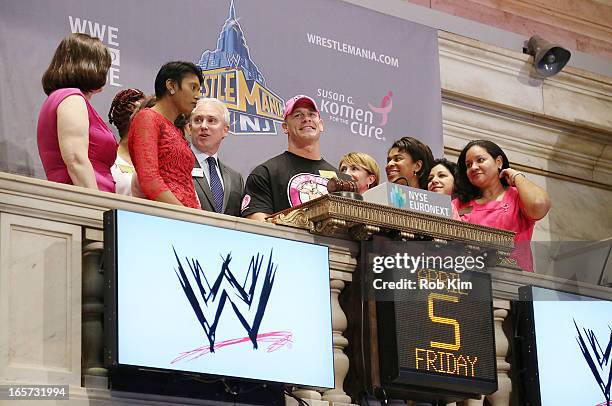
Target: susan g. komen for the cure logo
{"type": "Point", "coordinates": [598, 359]}
{"type": "Point", "coordinates": [343, 109]}
{"type": "Point", "coordinates": [213, 294]}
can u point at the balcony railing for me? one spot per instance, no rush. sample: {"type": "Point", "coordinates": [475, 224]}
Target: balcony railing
{"type": "Point", "coordinates": [51, 287]}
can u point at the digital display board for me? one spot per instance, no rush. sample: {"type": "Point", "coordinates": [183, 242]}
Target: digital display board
{"type": "Point", "coordinates": [444, 331]}
{"type": "Point", "coordinates": [435, 325]}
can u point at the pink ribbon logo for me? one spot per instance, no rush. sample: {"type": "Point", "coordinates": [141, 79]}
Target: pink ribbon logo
{"type": "Point", "coordinates": [386, 105]}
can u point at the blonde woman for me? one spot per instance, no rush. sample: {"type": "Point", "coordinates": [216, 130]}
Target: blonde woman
{"type": "Point", "coordinates": [362, 168]}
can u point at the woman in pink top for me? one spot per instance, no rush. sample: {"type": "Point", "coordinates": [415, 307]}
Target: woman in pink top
{"type": "Point", "coordinates": [492, 194]}
{"type": "Point", "coordinates": [75, 145]}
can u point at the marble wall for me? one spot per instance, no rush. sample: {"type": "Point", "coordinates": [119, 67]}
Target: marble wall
{"type": "Point", "coordinates": [584, 25]}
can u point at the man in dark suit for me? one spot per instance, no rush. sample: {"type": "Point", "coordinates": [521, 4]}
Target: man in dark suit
{"type": "Point", "coordinates": [218, 186]}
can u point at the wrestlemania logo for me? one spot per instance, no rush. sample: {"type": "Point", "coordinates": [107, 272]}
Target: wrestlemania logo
{"type": "Point", "coordinates": [232, 77]}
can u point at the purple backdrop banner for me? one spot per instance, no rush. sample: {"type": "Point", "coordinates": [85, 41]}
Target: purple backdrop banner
{"type": "Point", "coordinates": [375, 77]}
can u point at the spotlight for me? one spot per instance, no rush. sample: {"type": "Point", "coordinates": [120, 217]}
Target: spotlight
{"type": "Point", "coordinates": [548, 58]}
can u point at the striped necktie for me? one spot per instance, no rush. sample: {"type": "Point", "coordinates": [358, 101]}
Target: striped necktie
{"type": "Point", "coordinates": [215, 184]}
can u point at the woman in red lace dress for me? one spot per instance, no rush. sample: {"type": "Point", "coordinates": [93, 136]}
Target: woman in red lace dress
{"type": "Point", "coordinates": [160, 153]}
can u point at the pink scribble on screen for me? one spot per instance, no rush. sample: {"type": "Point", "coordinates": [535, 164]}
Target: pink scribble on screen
{"type": "Point", "coordinates": [278, 339]}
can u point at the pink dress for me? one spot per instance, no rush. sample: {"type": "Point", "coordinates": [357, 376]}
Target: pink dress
{"type": "Point", "coordinates": [102, 143]}
{"type": "Point", "coordinates": [506, 214]}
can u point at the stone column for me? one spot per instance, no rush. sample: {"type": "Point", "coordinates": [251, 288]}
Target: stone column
{"type": "Point", "coordinates": [341, 361]}
{"type": "Point", "coordinates": [502, 396]}
{"type": "Point", "coordinates": [94, 373]}
{"type": "Point", "coordinates": [502, 344]}
{"type": "Point", "coordinates": [306, 394]}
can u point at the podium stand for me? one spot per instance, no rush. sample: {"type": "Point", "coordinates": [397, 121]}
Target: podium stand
{"type": "Point", "coordinates": [336, 216]}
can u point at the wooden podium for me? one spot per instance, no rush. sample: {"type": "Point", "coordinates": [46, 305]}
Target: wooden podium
{"type": "Point", "coordinates": [336, 216]}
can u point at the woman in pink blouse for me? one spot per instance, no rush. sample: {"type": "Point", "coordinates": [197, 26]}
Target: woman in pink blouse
{"type": "Point", "coordinates": [75, 145]}
{"type": "Point", "coordinates": [495, 195]}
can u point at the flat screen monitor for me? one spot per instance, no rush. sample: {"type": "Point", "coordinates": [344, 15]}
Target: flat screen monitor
{"type": "Point", "coordinates": [198, 299]}
{"type": "Point", "coordinates": [565, 348]}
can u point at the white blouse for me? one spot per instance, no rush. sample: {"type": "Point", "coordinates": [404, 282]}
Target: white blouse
{"type": "Point", "coordinates": [122, 172]}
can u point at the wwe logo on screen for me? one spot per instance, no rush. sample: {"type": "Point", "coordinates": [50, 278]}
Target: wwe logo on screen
{"type": "Point", "coordinates": [597, 358]}
{"type": "Point", "coordinates": [248, 299]}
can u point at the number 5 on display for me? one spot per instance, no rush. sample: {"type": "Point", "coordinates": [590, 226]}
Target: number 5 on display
{"type": "Point", "coordinates": [444, 320]}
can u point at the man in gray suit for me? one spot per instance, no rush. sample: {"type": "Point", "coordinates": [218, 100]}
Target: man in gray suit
{"type": "Point", "coordinates": [218, 186]}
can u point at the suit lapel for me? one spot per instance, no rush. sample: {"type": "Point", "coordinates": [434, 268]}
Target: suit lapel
{"type": "Point", "coordinates": [227, 184]}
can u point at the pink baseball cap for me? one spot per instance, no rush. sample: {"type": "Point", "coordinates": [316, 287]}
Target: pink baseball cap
{"type": "Point", "coordinates": [290, 104]}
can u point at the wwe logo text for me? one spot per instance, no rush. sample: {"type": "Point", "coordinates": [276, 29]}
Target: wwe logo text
{"type": "Point", "coordinates": [597, 358]}
{"type": "Point", "coordinates": [208, 297]}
